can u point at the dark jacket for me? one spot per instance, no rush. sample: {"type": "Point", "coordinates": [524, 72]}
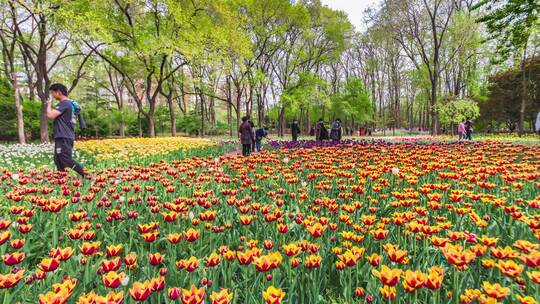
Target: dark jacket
{"type": "Point", "coordinates": [246, 133]}
{"type": "Point", "coordinates": [320, 131]}
{"type": "Point", "coordinates": [295, 129]}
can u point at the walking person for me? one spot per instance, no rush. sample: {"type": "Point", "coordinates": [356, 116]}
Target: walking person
{"type": "Point", "coordinates": [259, 135]}
{"type": "Point", "coordinates": [537, 124]}
{"type": "Point", "coordinates": [320, 131]}
{"type": "Point", "coordinates": [295, 130]}
{"type": "Point", "coordinates": [63, 129]}
{"type": "Point", "coordinates": [337, 130]}
{"type": "Point", "coordinates": [468, 129]}
{"type": "Point", "coordinates": [246, 136]}
{"type": "Point", "coordinates": [461, 130]}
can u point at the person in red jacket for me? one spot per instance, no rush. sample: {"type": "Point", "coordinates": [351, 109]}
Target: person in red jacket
{"type": "Point", "coordinates": [245, 133]}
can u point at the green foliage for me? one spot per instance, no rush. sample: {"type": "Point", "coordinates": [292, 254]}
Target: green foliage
{"type": "Point", "coordinates": [8, 127]}
{"type": "Point", "coordinates": [457, 110]}
{"type": "Point", "coordinates": [503, 99]}
{"type": "Point", "coordinates": [189, 123]}
{"type": "Point", "coordinates": [510, 22]}
{"type": "Point", "coordinates": [353, 103]}
{"type": "Point", "coordinates": [31, 115]}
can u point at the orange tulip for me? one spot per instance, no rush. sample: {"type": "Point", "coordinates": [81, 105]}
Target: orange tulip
{"type": "Point", "coordinates": [157, 284]}
{"type": "Point", "coordinates": [131, 260]}
{"type": "Point", "coordinates": [510, 268]}
{"type": "Point", "coordinates": [15, 258]}
{"type": "Point", "coordinates": [150, 236]}
{"type": "Point", "coordinates": [388, 292]}
{"type": "Point", "coordinates": [526, 300]}
{"type": "Point", "coordinates": [273, 295]}
{"type": "Point", "coordinates": [113, 250]}
{"type": "Point", "coordinates": [174, 293]}
{"type": "Point", "coordinates": [532, 259]}
{"type": "Point", "coordinates": [434, 278]}
{"type": "Point", "coordinates": [503, 253]}
{"type": "Point", "coordinates": [495, 290]}
{"type": "Point", "coordinates": [191, 235]}
{"type": "Point", "coordinates": [534, 276]}
{"type": "Point", "coordinates": [193, 296]}
{"type": "Point", "coordinates": [291, 249]}
{"type": "Point", "coordinates": [90, 248]}
{"type": "Point", "coordinates": [224, 296]}
{"type": "Point", "coordinates": [374, 259]}
{"type": "Point", "coordinates": [316, 230]}
{"type": "Point", "coordinates": [113, 279]}
{"type": "Point", "coordinates": [413, 280]}
{"type": "Point", "coordinates": [53, 297]}
{"type": "Point", "coordinates": [140, 291]}
{"type": "Point", "coordinates": [268, 262]}
{"type": "Point", "coordinates": [212, 260]}
{"type": "Point", "coordinates": [111, 265]}
{"type": "Point", "coordinates": [174, 238]}
{"type": "Point", "coordinates": [313, 261]}
{"type": "Point", "coordinates": [11, 279]}
{"type": "Point", "coordinates": [379, 234]}
{"type": "Point", "coordinates": [244, 258]}
{"type": "Point", "coordinates": [155, 259]}
{"type": "Point", "coordinates": [387, 276]}
{"type": "Point", "coordinates": [189, 265]}
{"type": "Point", "coordinates": [48, 265]}
{"type": "Point", "coordinates": [457, 256]}
{"type": "Point", "coordinates": [349, 258]}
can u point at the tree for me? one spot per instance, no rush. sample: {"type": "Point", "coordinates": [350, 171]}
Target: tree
{"type": "Point", "coordinates": [511, 23]}
{"type": "Point", "coordinates": [8, 41]}
{"type": "Point", "coordinates": [421, 29]}
{"type": "Point", "coordinates": [147, 42]}
{"type": "Point", "coordinates": [455, 111]}
{"type": "Point", "coordinates": [504, 96]}
{"type": "Point", "coordinates": [43, 47]}
{"type": "Point", "coordinates": [354, 104]}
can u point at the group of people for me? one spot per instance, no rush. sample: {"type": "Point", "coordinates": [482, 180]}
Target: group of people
{"type": "Point", "coordinates": [465, 129]}
{"type": "Point", "coordinates": [335, 134]}
{"type": "Point", "coordinates": [251, 138]}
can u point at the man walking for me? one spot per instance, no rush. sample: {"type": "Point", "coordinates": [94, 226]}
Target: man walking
{"type": "Point", "coordinates": [295, 130]}
{"type": "Point", "coordinates": [336, 131]}
{"type": "Point", "coordinates": [246, 136]}
{"type": "Point", "coordinates": [537, 124]}
{"type": "Point", "coordinates": [63, 129]}
{"type": "Point", "coordinates": [468, 129]}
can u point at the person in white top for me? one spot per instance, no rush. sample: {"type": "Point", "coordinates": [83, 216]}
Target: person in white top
{"type": "Point", "coordinates": [537, 124]}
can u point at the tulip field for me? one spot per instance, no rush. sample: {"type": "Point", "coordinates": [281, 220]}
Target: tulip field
{"type": "Point", "coordinates": [188, 221]}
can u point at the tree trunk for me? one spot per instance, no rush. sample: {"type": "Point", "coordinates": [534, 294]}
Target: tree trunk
{"type": "Point", "coordinates": [151, 125]}
{"type": "Point", "coordinates": [172, 114]}
{"type": "Point", "coordinates": [281, 130]}
{"type": "Point", "coordinates": [18, 106]}
{"type": "Point", "coordinates": [44, 123]}
{"type": "Point", "coordinates": [139, 122]}
{"type": "Point", "coordinates": [122, 129]}
{"type": "Point", "coordinates": [523, 94]}
{"type": "Point", "coordinates": [201, 97]}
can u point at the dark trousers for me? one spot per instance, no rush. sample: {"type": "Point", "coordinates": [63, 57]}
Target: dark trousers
{"type": "Point", "coordinates": [469, 134]}
{"type": "Point", "coordinates": [63, 149]}
{"type": "Point", "coordinates": [246, 149]}
{"type": "Point", "coordinates": [294, 137]}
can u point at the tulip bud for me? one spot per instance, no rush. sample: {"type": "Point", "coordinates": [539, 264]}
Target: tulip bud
{"type": "Point", "coordinates": [174, 293]}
